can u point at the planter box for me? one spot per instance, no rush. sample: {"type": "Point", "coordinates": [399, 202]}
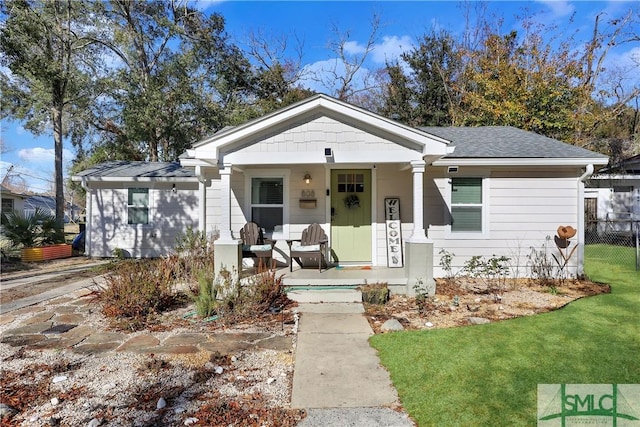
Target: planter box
{"type": "Point", "coordinates": [44, 253]}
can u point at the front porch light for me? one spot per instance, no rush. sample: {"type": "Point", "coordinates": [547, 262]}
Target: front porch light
{"type": "Point", "coordinates": [307, 178]}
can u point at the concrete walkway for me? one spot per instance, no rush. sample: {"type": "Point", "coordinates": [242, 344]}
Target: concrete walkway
{"type": "Point", "coordinates": [337, 377]}
{"type": "Point", "coordinates": [50, 294]}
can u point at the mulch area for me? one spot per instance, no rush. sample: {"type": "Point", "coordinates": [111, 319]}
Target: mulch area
{"type": "Point", "coordinates": [456, 301]}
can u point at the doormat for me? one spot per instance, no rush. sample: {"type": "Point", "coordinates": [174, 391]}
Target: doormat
{"type": "Point", "coordinates": [353, 267]}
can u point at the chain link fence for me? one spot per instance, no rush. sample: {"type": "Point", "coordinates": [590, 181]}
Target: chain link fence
{"type": "Point", "coordinates": [615, 241]}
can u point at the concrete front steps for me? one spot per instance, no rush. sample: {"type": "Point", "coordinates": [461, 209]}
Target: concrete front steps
{"type": "Point", "coordinates": [328, 294]}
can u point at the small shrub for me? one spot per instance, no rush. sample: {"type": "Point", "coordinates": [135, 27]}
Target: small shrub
{"type": "Point", "coordinates": [195, 253]}
{"type": "Point", "coordinates": [446, 259]}
{"type": "Point", "coordinates": [39, 229]}
{"type": "Point", "coordinates": [137, 290]}
{"type": "Point", "coordinates": [206, 299]}
{"type": "Point", "coordinates": [375, 293]}
{"type": "Point", "coordinates": [492, 272]}
{"type": "Point", "coordinates": [422, 296]}
{"type": "Point", "coordinates": [118, 253]}
{"type": "Point", "coordinates": [268, 290]}
{"type": "Point", "coordinates": [232, 299]}
{"type": "Point", "coordinates": [540, 264]}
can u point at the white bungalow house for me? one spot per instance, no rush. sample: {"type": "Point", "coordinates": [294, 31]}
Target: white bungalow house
{"type": "Point", "coordinates": [470, 191]}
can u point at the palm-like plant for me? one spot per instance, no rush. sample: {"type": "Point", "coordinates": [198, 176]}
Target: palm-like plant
{"type": "Point", "coordinates": [35, 230]}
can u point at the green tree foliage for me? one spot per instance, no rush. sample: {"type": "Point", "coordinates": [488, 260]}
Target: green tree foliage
{"type": "Point", "coordinates": [49, 60]}
{"type": "Point", "coordinates": [435, 65]}
{"type": "Point", "coordinates": [399, 97]}
{"type": "Point", "coordinates": [175, 78]}
{"type": "Point", "coordinates": [537, 78]}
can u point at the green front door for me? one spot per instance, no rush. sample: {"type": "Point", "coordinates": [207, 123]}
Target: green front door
{"type": "Point", "coordinates": [351, 215]}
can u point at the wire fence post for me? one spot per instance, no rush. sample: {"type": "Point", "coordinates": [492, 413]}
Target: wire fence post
{"type": "Point", "coordinates": [637, 227]}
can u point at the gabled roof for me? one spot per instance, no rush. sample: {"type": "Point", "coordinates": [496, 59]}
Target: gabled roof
{"type": "Point", "coordinates": [214, 148]}
{"type": "Point", "coordinates": [509, 145]}
{"type": "Point", "coordinates": [136, 171]}
{"type": "Point", "coordinates": [7, 192]}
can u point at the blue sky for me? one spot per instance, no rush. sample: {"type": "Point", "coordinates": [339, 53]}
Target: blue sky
{"type": "Point", "coordinates": [402, 25]}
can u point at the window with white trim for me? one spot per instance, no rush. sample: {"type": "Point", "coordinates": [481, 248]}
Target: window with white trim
{"type": "Point", "coordinates": [138, 206]}
{"type": "Point", "coordinates": [466, 205]}
{"type": "Point", "coordinates": [7, 205]}
{"type": "Point", "coordinates": [267, 202]}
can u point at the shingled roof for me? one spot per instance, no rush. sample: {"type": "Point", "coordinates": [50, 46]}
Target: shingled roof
{"type": "Point", "coordinates": [506, 142]}
{"type": "Point", "coordinates": [136, 170]}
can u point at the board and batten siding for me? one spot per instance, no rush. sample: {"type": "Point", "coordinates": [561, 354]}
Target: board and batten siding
{"type": "Point", "coordinates": [170, 214]}
{"type": "Point", "coordinates": [522, 213]}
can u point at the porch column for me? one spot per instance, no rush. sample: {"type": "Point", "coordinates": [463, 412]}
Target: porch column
{"type": "Point", "coordinates": [226, 250]}
{"type": "Point", "coordinates": [225, 203]}
{"type": "Point", "coordinates": [418, 248]}
{"type": "Point", "coordinates": [202, 200]}
{"type": "Point", "coordinates": [417, 169]}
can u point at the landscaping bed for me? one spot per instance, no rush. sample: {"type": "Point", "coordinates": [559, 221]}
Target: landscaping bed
{"type": "Point", "coordinates": [466, 301]}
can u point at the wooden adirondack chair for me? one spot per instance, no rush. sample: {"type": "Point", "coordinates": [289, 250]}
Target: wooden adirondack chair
{"type": "Point", "coordinates": [254, 245]}
{"type": "Point", "coordinates": [312, 245]}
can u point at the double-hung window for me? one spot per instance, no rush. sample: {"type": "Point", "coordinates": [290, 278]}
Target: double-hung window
{"type": "Point", "coordinates": [138, 206]}
{"type": "Point", "coordinates": [466, 205]}
{"type": "Point", "coordinates": [267, 202]}
{"type": "Point", "coordinates": [7, 205]}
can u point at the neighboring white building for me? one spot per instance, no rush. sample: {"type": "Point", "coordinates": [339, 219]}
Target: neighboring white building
{"type": "Point", "coordinates": [11, 201]}
{"type": "Point", "coordinates": [613, 196]}
{"type": "Point", "coordinates": [471, 191]}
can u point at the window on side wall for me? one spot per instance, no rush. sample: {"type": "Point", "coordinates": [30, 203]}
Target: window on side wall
{"type": "Point", "coordinates": [267, 202]}
{"type": "Point", "coordinates": [138, 206]}
{"type": "Point", "coordinates": [466, 205]}
{"type": "Point", "coordinates": [7, 205]}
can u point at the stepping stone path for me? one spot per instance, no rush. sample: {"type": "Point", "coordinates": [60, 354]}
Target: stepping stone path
{"type": "Point", "coordinates": [59, 325]}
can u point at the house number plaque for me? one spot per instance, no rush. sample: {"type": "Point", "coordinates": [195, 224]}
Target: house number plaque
{"type": "Point", "coordinates": [394, 232]}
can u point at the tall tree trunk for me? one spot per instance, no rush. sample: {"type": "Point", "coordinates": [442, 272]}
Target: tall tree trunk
{"type": "Point", "coordinates": [56, 115]}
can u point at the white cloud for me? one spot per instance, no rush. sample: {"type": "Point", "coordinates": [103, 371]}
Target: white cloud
{"type": "Point", "coordinates": [354, 48]}
{"type": "Point", "coordinates": [43, 155]}
{"type": "Point", "coordinates": [559, 8]}
{"type": "Point", "coordinates": [320, 76]}
{"type": "Point", "coordinates": [204, 5]}
{"type": "Point", "coordinates": [391, 48]}
{"type": "Point", "coordinates": [20, 130]}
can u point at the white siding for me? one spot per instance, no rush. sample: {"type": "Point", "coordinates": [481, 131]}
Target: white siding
{"type": "Point", "coordinates": [523, 212]}
{"type": "Point", "coordinates": [392, 180]}
{"type": "Point", "coordinates": [305, 142]}
{"type": "Point", "coordinates": [318, 133]}
{"type": "Point", "coordinates": [170, 214]}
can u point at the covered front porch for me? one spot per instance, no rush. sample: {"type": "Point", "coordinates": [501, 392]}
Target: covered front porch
{"type": "Point", "coordinates": [359, 176]}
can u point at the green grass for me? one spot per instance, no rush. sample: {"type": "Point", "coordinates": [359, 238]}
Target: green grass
{"type": "Point", "coordinates": [488, 375]}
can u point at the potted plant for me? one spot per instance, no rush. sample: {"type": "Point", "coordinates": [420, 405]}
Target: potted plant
{"type": "Point", "coordinates": [36, 236]}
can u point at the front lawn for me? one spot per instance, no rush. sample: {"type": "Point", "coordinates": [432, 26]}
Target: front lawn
{"type": "Point", "coordinates": [488, 375]}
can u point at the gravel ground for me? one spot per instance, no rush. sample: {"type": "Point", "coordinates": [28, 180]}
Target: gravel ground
{"type": "Point", "coordinates": [63, 387]}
